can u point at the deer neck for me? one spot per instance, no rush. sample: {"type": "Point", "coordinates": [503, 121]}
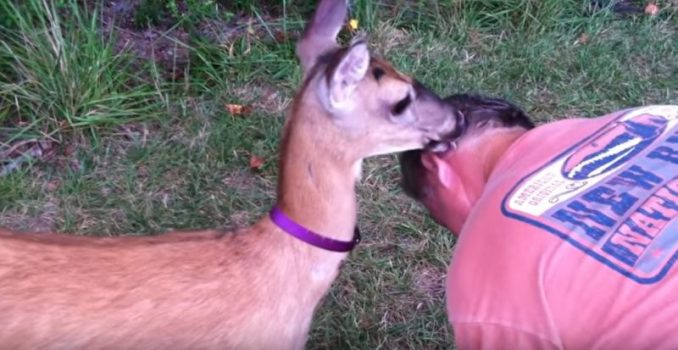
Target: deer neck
{"type": "Point", "coordinates": [316, 185]}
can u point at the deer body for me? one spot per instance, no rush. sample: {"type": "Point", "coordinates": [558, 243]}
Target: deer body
{"type": "Point", "coordinates": [178, 292]}
{"type": "Point", "coordinates": [255, 288]}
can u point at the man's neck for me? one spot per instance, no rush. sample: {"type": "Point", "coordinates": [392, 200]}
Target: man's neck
{"type": "Point", "coordinates": [494, 148]}
{"type": "Point", "coordinates": [475, 163]}
{"type": "Point", "coordinates": [476, 160]}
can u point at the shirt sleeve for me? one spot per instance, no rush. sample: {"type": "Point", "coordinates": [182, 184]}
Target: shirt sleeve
{"type": "Point", "coordinates": [492, 336]}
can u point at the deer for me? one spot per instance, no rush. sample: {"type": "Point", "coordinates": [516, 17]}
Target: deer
{"type": "Point", "coordinates": [252, 288]}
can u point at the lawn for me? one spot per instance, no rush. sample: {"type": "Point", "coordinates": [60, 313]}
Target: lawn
{"type": "Point", "coordinates": [143, 116]}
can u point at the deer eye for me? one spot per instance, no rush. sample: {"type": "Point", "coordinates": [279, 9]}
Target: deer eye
{"type": "Point", "coordinates": [378, 73]}
{"type": "Point", "coordinates": [401, 106]}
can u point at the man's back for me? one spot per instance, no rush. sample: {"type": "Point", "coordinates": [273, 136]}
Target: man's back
{"type": "Point", "coordinates": [573, 242]}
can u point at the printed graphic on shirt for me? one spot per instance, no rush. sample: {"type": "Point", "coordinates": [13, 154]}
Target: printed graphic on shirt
{"type": "Point", "coordinates": [614, 195]}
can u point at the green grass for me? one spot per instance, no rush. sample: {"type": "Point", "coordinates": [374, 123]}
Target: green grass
{"type": "Point", "coordinates": [58, 73]}
{"type": "Point", "coordinates": [150, 154]}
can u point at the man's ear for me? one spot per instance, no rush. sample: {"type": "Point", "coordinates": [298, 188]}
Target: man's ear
{"type": "Point", "coordinates": [346, 76]}
{"type": "Point", "coordinates": [443, 170]}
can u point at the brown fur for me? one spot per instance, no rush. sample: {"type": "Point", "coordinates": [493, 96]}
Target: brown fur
{"type": "Point", "coordinates": [255, 288]}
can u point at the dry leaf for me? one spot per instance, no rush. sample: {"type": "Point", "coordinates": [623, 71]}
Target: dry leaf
{"type": "Point", "coordinates": [651, 9]}
{"type": "Point", "coordinates": [236, 109]}
{"type": "Point", "coordinates": [280, 36]}
{"type": "Point", "coordinates": [353, 25]}
{"type": "Point", "coordinates": [256, 162]}
{"type": "Point", "coordinates": [52, 185]}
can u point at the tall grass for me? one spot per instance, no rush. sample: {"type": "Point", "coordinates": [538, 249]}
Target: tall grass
{"type": "Point", "coordinates": [60, 75]}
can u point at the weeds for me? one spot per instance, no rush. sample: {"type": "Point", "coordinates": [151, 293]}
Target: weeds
{"type": "Point", "coordinates": [156, 12]}
{"type": "Point", "coordinates": [60, 74]}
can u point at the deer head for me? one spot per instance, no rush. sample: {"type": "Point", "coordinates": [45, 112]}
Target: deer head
{"type": "Point", "coordinates": [361, 102]}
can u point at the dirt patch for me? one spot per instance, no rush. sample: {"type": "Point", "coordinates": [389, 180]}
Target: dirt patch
{"type": "Point", "coordinates": [14, 155]}
{"type": "Point", "coordinates": [165, 41]}
{"type": "Point", "coordinates": [42, 221]}
{"type": "Point", "coordinates": [167, 47]}
{"type": "Point", "coordinates": [429, 282]}
{"type": "Point", "coordinates": [387, 38]}
{"type": "Point", "coordinates": [264, 98]}
{"type": "Point", "coordinates": [240, 218]}
{"type": "Point", "coordinates": [239, 180]}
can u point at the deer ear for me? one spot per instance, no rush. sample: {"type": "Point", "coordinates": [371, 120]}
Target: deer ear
{"type": "Point", "coordinates": [320, 34]}
{"type": "Point", "coordinates": [346, 76]}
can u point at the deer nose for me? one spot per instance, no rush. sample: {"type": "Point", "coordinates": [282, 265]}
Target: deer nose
{"type": "Point", "coordinates": [451, 124]}
{"type": "Point", "coordinates": [452, 129]}
{"type": "Point", "coordinates": [425, 93]}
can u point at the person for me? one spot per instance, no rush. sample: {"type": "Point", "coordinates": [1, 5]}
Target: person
{"type": "Point", "coordinates": [567, 232]}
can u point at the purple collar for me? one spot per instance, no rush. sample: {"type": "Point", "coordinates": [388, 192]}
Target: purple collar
{"type": "Point", "coordinates": [300, 232]}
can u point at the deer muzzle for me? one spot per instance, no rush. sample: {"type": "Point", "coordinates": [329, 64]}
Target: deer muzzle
{"type": "Point", "coordinates": [443, 122]}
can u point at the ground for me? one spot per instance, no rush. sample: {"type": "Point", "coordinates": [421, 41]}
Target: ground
{"type": "Point", "coordinates": [142, 116]}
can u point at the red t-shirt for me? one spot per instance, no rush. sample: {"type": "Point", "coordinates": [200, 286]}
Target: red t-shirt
{"type": "Point", "coordinates": [573, 243]}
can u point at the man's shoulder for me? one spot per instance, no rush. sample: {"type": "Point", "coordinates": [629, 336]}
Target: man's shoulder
{"type": "Point", "coordinates": [609, 192]}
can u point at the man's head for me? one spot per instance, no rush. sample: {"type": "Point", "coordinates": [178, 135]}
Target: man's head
{"type": "Point", "coordinates": [449, 179]}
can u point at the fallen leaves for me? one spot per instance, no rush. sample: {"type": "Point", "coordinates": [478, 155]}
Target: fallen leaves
{"type": "Point", "coordinates": [235, 109]}
{"type": "Point", "coordinates": [651, 9]}
{"type": "Point", "coordinates": [280, 36]}
{"type": "Point", "coordinates": [256, 162]}
{"type": "Point", "coordinates": [13, 156]}
{"type": "Point", "coordinates": [53, 185]}
{"type": "Point", "coordinates": [353, 25]}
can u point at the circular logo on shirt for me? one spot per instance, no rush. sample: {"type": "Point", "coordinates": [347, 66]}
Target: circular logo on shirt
{"type": "Point", "coordinates": [614, 147]}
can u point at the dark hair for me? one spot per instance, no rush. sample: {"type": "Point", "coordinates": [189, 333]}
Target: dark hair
{"type": "Point", "coordinates": [412, 175]}
{"type": "Point", "coordinates": [478, 111]}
